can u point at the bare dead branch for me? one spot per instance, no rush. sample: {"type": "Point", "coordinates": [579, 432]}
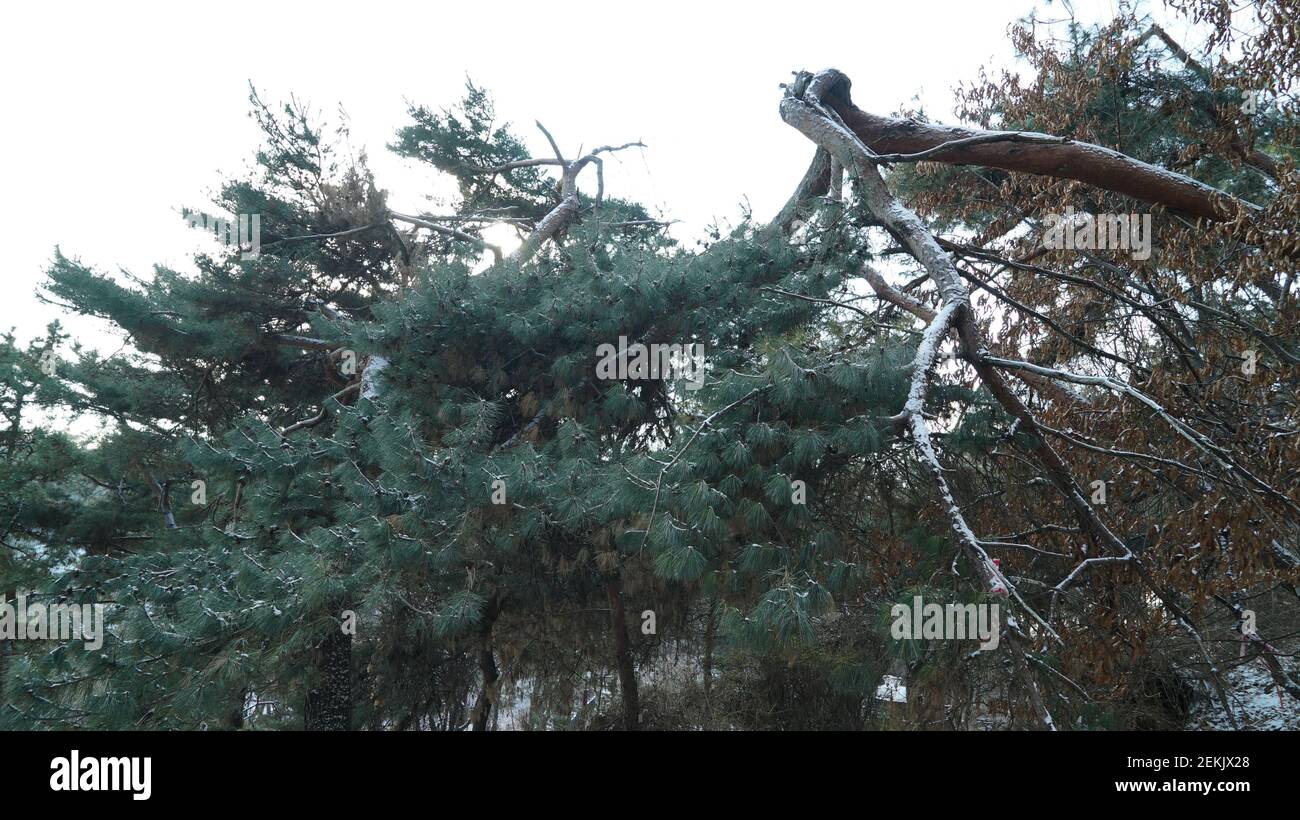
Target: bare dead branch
{"type": "Point", "coordinates": [446, 231]}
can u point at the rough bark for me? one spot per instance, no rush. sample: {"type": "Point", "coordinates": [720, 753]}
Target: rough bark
{"type": "Point", "coordinates": [623, 654]}
{"type": "Point", "coordinates": [710, 634]}
{"type": "Point", "coordinates": [807, 106]}
{"type": "Point", "coordinates": [329, 704]}
{"type": "Point", "coordinates": [487, 666]}
{"type": "Point", "coordinates": [1042, 154]}
{"type": "Point", "coordinates": [235, 718]}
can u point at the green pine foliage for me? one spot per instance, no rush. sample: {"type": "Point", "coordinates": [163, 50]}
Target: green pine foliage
{"type": "Point", "coordinates": [369, 425]}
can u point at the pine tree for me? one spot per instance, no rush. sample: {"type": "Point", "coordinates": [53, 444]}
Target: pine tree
{"type": "Point", "coordinates": [387, 475]}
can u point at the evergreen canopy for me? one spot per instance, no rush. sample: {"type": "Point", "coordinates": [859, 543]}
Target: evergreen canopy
{"type": "Point", "coordinates": [374, 478]}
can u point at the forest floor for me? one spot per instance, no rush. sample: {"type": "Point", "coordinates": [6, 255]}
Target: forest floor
{"type": "Point", "coordinates": [1255, 701]}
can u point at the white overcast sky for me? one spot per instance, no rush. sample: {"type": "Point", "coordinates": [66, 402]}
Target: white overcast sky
{"type": "Point", "coordinates": [117, 115]}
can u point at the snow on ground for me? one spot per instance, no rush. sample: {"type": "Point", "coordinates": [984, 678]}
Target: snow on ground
{"type": "Point", "coordinates": [892, 689]}
{"type": "Point", "coordinates": [1254, 700]}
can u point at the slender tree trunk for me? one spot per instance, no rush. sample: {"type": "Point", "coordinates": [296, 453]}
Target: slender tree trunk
{"type": "Point", "coordinates": [329, 705]}
{"type": "Point", "coordinates": [6, 646]}
{"type": "Point", "coordinates": [487, 665]}
{"type": "Point", "coordinates": [623, 655]}
{"type": "Point", "coordinates": [710, 632]}
{"type": "Point", "coordinates": [15, 428]}
{"type": "Point", "coordinates": [4, 669]}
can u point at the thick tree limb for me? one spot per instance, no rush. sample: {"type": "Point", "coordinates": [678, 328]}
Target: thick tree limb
{"type": "Point", "coordinates": [1040, 154]}
{"type": "Point", "coordinates": [804, 112]}
{"type": "Point", "coordinates": [803, 108]}
{"type": "Point", "coordinates": [896, 297]}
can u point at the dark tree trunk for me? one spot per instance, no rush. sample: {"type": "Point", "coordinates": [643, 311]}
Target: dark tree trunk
{"type": "Point", "coordinates": [4, 668]}
{"type": "Point", "coordinates": [6, 646]}
{"type": "Point", "coordinates": [329, 705]}
{"type": "Point", "coordinates": [623, 655]}
{"type": "Point", "coordinates": [487, 666]}
{"type": "Point", "coordinates": [710, 632]}
{"type": "Point", "coordinates": [235, 720]}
